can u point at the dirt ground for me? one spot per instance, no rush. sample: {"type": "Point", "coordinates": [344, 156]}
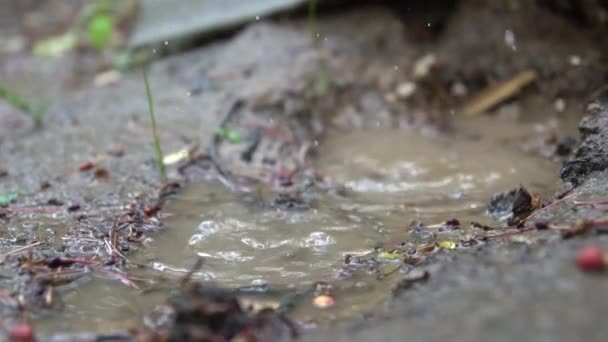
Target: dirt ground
{"type": "Point", "coordinates": [523, 286]}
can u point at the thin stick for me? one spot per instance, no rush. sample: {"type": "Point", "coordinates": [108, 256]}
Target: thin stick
{"type": "Point", "coordinates": [120, 277]}
{"type": "Point", "coordinates": [516, 232]}
{"type": "Point", "coordinates": [20, 249]}
{"type": "Point", "coordinates": [8, 298]}
{"type": "Point", "coordinates": [598, 202]}
{"type": "Point", "coordinates": [188, 277]}
{"type": "Point", "coordinates": [159, 152]}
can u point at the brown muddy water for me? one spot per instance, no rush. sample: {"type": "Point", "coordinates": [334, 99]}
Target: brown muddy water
{"type": "Point", "coordinates": [390, 178]}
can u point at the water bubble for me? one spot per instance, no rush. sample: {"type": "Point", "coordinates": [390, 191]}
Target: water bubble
{"type": "Point", "coordinates": [166, 42]}
{"type": "Point", "coordinates": [257, 17]}
{"type": "Point", "coordinates": [575, 60]}
{"type": "Point", "coordinates": [259, 282]}
{"type": "Point", "coordinates": [204, 229]}
{"type": "Point", "coordinates": [559, 105]}
{"type": "Point", "coordinates": [253, 243]}
{"type": "Point", "coordinates": [510, 39]}
{"type": "Point", "coordinates": [195, 239]}
{"type": "Point", "coordinates": [319, 239]}
{"type": "Point", "coordinates": [158, 266]}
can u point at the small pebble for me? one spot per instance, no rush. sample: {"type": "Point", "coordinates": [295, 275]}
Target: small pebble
{"type": "Point", "coordinates": [591, 259]}
{"type": "Point", "coordinates": [324, 301]}
{"type": "Point", "coordinates": [405, 89]}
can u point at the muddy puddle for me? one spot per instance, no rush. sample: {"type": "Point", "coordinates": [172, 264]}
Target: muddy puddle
{"type": "Point", "coordinates": [387, 178]}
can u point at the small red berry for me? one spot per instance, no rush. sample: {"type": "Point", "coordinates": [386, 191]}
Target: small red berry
{"type": "Point", "coordinates": [590, 259]}
{"type": "Point", "coordinates": [22, 333]}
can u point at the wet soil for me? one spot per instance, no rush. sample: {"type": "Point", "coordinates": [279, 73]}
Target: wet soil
{"type": "Point", "coordinates": [408, 159]}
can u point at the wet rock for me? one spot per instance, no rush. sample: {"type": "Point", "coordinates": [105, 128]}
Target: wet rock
{"type": "Point", "coordinates": [592, 154]}
{"type": "Point", "coordinates": [161, 20]}
{"type": "Point", "coordinates": [565, 147]}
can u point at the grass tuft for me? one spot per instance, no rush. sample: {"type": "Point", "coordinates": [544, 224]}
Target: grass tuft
{"type": "Point", "coordinates": [157, 149]}
{"type": "Point", "coordinates": [36, 112]}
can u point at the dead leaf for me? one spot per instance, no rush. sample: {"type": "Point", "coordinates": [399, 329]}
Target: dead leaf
{"type": "Point", "coordinates": [102, 173]}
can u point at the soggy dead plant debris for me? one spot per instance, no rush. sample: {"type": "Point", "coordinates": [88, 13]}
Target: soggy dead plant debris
{"type": "Point", "coordinates": [206, 313]}
{"type": "Point", "coordinates": [411, 280]}
{"type": "Point", "coordinates": [514, 206]}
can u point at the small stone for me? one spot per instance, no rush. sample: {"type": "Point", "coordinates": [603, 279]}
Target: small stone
{"type": "Point", "coordinates": [575, 60]}
{"type": "Point", "coordinates": [390, 97]}
{"type": "Point", "coordinates": [452, 223]}
{"type": "Point", "coordinates": [107, 78]}
{"type": "Point", "coordinates": [590, 259]}
{"type": "Point", "coordinates": [423, 66]}
{"type": "Point", "coordinates": [324, 301]}
{"type": "Point", "coordinates": [559, 105]}
{"type": "Point", "coordinates": [405, 90]}
{"type": "Point", "coordinates": [73, 207]}
{"type": "Point", "coordinates": [459, 89]}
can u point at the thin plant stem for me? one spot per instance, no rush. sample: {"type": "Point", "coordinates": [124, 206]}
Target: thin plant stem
{"type": "Point", "coordinates": [157, 149]}
{"type": "Point", "coordinates": [312, 23]}
{"type": "Point", "coordinates": [316, 39]}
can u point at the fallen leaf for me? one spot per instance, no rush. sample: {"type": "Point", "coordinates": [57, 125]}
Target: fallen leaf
{"type": "Point", "coordinates": [85, 166]}
{"type": "Point", "coordinates": [393, 255]}
{"type": "Point", "coordinates": [447, 245]}
{"type": "Point", "coordinates": [102, 173]}
{"type": "Point", "coordinates": [56, 46]}
{"type": "Point", "coordinates": [116, 150]}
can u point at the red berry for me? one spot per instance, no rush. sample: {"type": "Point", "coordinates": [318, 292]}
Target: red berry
{"type": "Point", "coordinates": [591, 259]}
{"type": "Point", "coordinates": [22, 333]}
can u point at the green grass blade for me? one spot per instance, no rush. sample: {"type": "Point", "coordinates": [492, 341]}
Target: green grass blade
{"type": "Point", "coordinates": [312, 22]}
{"type": "Point", "coordinates": [21, 104]}
{"type": "Point", "coordinates": [316, 39]}
{"type": "Point", "coordinates": [159, 152]}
